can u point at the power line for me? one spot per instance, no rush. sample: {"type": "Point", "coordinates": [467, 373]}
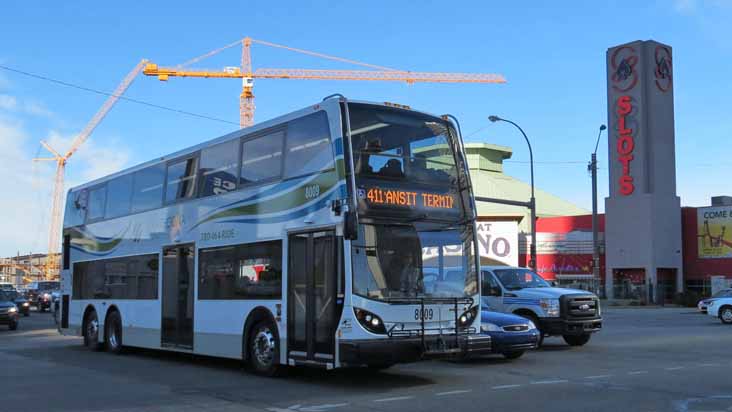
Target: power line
{"type": "Point", "coordinates": [129, 99]}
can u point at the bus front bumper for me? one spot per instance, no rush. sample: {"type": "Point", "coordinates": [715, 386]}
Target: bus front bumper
{"type": "Point", "coordinates": [404, 350]}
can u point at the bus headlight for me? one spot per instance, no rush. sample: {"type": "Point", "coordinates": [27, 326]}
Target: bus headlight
{"type": "Point", "coordinates": [467, 318]}
{"type": "Point", "coordinates": [369, 321]}
{"type": "Point", "coordinates": [550, 307]}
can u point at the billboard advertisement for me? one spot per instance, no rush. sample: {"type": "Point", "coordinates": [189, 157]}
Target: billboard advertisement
{"type": "Point", "coordinates": [498, 243]}
{"type": "Point", "coordinates": [714, 232]}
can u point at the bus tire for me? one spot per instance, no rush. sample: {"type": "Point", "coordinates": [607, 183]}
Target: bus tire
{"type": "Point", "coordinates": [91, 330]}
{"type": "Point", "coordinates": [264, 349]}
{"type": "Point", "coordinates": [113, 333]}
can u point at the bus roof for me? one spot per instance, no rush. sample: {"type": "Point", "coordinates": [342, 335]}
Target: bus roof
{"type": "Point", "coordinates": [236, 134]}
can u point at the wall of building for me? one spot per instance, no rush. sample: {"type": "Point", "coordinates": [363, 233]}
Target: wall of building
{"type": "Point", "coordinates": [697, 271]}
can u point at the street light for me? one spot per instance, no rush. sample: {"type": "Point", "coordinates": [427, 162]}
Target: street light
{"type": "Point", "coordinates": [595, 239]}
{"type": "Point", "coordinates": [532, 201]}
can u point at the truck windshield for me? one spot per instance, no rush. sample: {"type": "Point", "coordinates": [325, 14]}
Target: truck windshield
{"type": "Point", "coordinates": [515, 279]}
{"type": "Point", "coordinates": [413, 261]}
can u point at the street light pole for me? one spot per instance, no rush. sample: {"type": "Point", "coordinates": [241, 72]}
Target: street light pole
{"type": "Point", "coordinates": [532, 201]}
{"type": "Point", "coordinates": [595, 238]}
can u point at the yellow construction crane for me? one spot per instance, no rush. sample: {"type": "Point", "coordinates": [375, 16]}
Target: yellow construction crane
{"type": "Point", "coordinates": [54, 231]}
{"type": "Point", "coordinates": [245, 72]}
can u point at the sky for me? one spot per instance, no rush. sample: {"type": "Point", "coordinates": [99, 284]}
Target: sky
{"type": "Point", "coordinates": [551, 53]}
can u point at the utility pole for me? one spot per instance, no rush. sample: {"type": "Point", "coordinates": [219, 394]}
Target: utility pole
{"type": "Point", "coordinates": [592, 167]}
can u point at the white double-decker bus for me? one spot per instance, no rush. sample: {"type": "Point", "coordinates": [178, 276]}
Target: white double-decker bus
{"type": "Point", "coordinates": [339, 235]}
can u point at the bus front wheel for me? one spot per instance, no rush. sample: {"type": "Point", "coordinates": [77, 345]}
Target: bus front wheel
{"type": "Point", "coordinates": [264, 349]}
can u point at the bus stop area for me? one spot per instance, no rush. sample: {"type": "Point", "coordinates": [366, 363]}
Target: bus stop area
{"type": "Point", "coordinates": [651, 359]}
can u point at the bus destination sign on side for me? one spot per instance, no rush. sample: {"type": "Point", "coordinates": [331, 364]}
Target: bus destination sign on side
{"type": "Point", "coordinates": [375, 196]}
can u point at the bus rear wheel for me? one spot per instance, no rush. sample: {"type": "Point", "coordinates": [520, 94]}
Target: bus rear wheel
{"type": "Point", "coordinates": [113, 333]}
{"type": "Point", "coordinates": [91, 330]}
{"type": "Point", "coordinates": [264, 349]}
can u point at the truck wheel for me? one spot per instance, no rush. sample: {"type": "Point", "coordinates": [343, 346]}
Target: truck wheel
{"type": "Point", "coordinates": [513, 355]}
{"type": "Point", "coordinates": [725, 315]}
{"type": "Point", "coordinates": [577, 340]}
{"type": "Point", "coordinates": [264, 351]}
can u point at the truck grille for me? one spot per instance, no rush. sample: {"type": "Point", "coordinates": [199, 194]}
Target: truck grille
{"type": "Point", "coordinates": [579, 307]}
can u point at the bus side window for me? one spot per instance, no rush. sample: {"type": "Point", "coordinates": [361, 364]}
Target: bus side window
{"type": "Point", "coordinates": [181, 181]}
{"type": "Point", "coordinates": [261, 158]}
{"type": "Point", "coordinates": [97, 203]}
{"type": "Point", "coordinates": [308, 148]}
{"type": "Point", "coordinates": [147, 191]}
{"type": "Point", "coordinates": [75, 208]}
{"type": "Point", "coordinates": [218, 169]}
{"type": "Point", "coordinates": [119, 196]}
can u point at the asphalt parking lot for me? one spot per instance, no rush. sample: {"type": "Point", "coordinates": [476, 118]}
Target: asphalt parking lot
{"type": "Point", "coordinates": [667, 359]}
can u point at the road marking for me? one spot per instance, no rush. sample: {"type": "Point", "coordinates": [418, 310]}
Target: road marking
{"type": "Point", "coordinates": [319, 408]}
{"type": "Point", "coordinates": [706, 365]}
{"type": "Point", "coordinates": [598, 377]}
{"type": "Point", "coordinates": [506, 386]}
{"type": "Point", "coordinates": [675, 368]}
{"type": "Point", "coordinates": [396, 398]}
{"type": "Point", "coordinates": [637, 372]}
{"type": "Point", "coordinates": [453, 392]}
{"type": "Point", "coordinates": [549, 382]}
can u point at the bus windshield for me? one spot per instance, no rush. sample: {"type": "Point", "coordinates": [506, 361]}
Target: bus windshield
{"type": "Point", "coordinates": [413, 261]}
{"type": "Point", "coordinates": [392, 144]}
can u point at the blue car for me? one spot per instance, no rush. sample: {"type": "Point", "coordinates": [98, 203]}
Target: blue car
{"type": "Point", "coordinates": [511, 335]}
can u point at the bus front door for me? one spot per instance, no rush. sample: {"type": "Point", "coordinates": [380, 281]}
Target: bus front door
{"type": "Point", "coordinates": [311, 297]}
{"type": "Point", "coordinates": [177, 299]}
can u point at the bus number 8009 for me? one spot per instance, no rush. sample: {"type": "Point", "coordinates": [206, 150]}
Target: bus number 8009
{"type": "Point", "coordinates": [423, 314]}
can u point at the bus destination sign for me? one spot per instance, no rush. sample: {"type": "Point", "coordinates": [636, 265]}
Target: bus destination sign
{"type": "Point", "coordinates": [375, 196]}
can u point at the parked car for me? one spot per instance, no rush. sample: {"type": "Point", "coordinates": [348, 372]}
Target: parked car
{"type": "Point", "coordinates": [511, 335]}
{"type": "Point", "coordinates": [704, 303]}
{"type": "Point", "coordinates": [721, 308]}
{"type": "Point", "coordinates": [8, 311]}
{"type": "Point", "coordinates": [571, 313]}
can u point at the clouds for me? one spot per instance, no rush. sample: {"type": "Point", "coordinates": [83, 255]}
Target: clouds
{"type": "Point", "coordinates": [27, 186]}
{"type": "Point", "coordinates": [8, 102]}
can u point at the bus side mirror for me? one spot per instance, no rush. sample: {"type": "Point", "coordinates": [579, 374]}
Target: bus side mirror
{"type": "Point", "coordinates": [350, 225]}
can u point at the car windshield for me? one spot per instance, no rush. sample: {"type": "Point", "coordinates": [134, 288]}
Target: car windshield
{"type": "Point", "coordinates": [8, 295]}
{"type": "Point", "coordinates": [724, 293]}
{"type": "Point", "coordinates": [515, 279]}
{"type": "Point", "coordinates": [413, 260]}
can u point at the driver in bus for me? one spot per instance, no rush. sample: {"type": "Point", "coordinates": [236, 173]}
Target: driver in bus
{"type": "Point", "coordinates": [410, 278]}
{"type": "Point", "coordinates": [371, 146]}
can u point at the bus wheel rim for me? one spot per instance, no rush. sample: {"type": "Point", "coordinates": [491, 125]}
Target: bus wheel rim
{"type": "Point", "coordinates": [264, 346]}
{"type": "Point", "coordinates": [92, 329]}
{"type": "Point", "coordinates": [113, 337]}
